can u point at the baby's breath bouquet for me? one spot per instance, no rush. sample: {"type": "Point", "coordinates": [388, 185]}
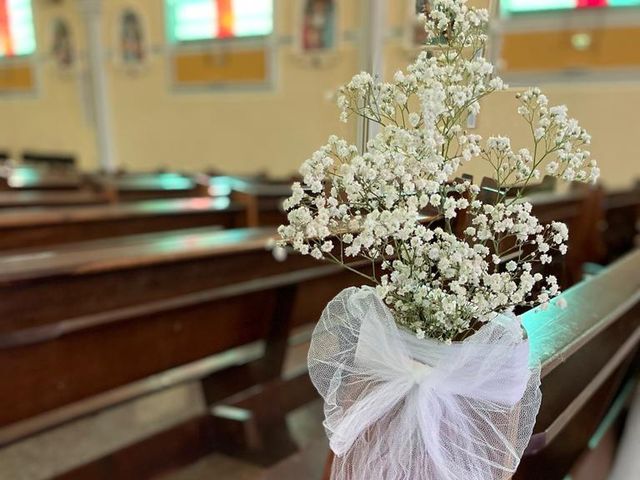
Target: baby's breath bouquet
{"type": "Point", "coordinates": [440, 313]}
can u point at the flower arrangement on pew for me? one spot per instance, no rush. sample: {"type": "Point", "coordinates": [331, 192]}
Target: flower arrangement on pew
{"type": "Point", "coordinates": [426, 375]}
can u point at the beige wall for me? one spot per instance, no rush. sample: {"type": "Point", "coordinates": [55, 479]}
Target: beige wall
{"type": "Point", "coordinates": [237, 132]}
{"type": "Point", "coordinates": [271, 130]}
{"type": "Point", "coordinates": [53, 117]}
{"type": "Point", "coordinates": [609, 111]}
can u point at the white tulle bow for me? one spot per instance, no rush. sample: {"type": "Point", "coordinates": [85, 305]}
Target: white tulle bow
{"type": "Point", "coordinates": [400, 408]}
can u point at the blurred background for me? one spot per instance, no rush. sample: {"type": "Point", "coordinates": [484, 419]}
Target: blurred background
{"type": "Point", "coordinates": [145, 149]}
{"type": "Point", "coordinates": [244, 86]}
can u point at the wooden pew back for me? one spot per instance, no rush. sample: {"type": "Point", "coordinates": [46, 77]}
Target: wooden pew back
{"type": "Point", "coordinates": [149, 186]}
{"type": "Point", "coordinates": [621, 223]}
{"type": "Point", "coordinates": [29, 177]}
{"type": "Point", "coordinates": [192, 297]}
{"type": "Point", "coordinates": [263, 201]}
{"type": "Point", "coordinates": [23, 228]}
{"type": "Point", "coordinates": [585, 352]}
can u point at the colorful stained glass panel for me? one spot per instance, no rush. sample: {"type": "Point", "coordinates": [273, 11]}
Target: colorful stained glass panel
{"type": "Point", "coordinates": [17, 34]}
{"type": "Point", "coordinates": [190, 20]}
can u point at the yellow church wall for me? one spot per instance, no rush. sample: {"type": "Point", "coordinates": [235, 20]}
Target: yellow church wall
{"type": "Point", "coordinates": [608, 110]}
{"type": "Point", "coordinates": [233, 130]}
{"type": "Point", "coordinates": [52, 117]}
{"type": "Point", "coordinates": [154, 124]}
{"type": "Point", "coordinates": [242, 130]}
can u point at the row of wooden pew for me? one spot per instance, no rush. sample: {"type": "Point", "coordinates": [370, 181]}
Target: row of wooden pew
{"type": "Point", "coordinates": [101, 306]}
{"type": "Point", "coordinates": [26, 186]}
{"type": "Point", "coordinates": [37, 216]}
{"type": "Point", "coordinates": [40, 159]}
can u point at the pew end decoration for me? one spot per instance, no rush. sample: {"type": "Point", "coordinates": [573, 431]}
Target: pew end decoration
{"type": "Point", "coordinates": [425, 372]}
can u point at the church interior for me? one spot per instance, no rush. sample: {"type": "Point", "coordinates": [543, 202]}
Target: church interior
{"type": "Point", "coordinates": [151, 330]}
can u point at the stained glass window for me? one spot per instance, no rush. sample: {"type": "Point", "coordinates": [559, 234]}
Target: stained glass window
{"type": "Point", "coordinates": [17, 34]}
{"type": "Point", "coordinates": [190, 20]}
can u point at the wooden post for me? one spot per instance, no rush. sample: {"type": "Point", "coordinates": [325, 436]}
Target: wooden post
{"type": "Point", "coordinates": [253, 422]}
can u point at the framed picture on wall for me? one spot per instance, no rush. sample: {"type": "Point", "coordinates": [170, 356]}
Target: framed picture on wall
{"type": "Point", "coordinates": [132, 50]}
{"type": "Point", "coordinates": [316, 32]}
{"type": "Point", "coordinates": [318, 28]}
{"type": "Point", "coordinates": [62, 48]}
{"type": "Point", "coordinates": [132, 44]}
{"type": "Point", "coordinates": [415, 34]}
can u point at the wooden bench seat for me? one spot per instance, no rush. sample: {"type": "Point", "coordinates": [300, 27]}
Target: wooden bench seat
{"type": "Point", "coordinates": [21, 228]}
{"type": "Point", "coordinates": [585, 352]}
{"type": "Point", "coordinates": [43, 159]}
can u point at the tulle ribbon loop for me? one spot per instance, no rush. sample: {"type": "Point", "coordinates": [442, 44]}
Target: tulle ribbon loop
{"type": "Point", "coordinates": [401, 408]}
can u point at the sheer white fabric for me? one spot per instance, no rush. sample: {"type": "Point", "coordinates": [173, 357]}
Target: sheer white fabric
{"type": "Point", "coordinates": [400, 408]}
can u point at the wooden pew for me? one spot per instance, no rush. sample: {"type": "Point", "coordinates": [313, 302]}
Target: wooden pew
{"type": "Point", "coordinates": [29, 177]}
{"type": "Point", "coordinates": [30, 198]}
{"type": "Point", "coordinates": [67, 281]}
{"type": "Point", "coordinates": [21, 228]}
{"type": "Point", "coordinates": [146, 186]}
{"type": "Point", "coordinates": [59, 325]}
{"type": "Point", "coordinates": [263, 201]}
{"type": "Point", "coordinates": [224, 185]}
{"type": "Point", "coordinates": [192, 296]}
{"type": "Point", "coordinates": [585, 352]}
{"type": "Point", "coordinates": [621, 223]}
{"type": "Point", "coordinates": [55, 160]}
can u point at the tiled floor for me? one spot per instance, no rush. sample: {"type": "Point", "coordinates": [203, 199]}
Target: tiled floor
{"type": "Point", "coordinates": [57, 451]}
{"type": "Point", "coordinates": [306, 427]}
{"type": "Point", "coordinates": [64, 448]}
{"type": "Point", "coordinates": [61, 449]}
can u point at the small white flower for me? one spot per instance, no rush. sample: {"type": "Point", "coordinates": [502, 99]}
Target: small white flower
{"type": "Point", "coordinates": [327, 246]}
{"type": "Point", "coordinates": [362, 204]}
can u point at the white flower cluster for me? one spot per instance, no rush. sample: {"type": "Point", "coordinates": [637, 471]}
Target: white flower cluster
{"type": "Point", "coordinates": [397, 204]}
{"type": "Point", "coordinates": [559, 138]}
